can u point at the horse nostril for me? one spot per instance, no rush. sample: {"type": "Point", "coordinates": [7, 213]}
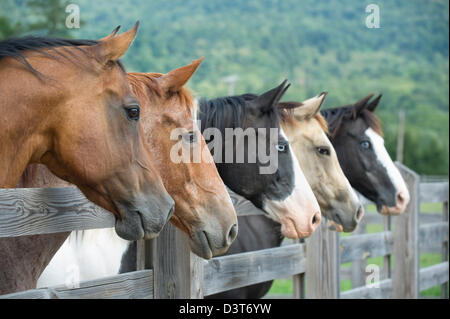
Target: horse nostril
{"type": "Point", "coordinates": [359, 214]}
{"type": "Point", "coordinates": [232, 234]}
{"type": "Point", "coordinates": [400, 198]}
{"type": "Point", "coordinates": [315, 221]}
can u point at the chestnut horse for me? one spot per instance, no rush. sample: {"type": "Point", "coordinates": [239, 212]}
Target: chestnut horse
{"type": "Point", "coordinates": [203, 207]}
{"type": "Point", "coordinates": [67, 104]}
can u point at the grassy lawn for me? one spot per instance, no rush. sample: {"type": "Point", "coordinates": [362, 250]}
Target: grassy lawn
{"type": "Point", "coordinates": [284, 286]}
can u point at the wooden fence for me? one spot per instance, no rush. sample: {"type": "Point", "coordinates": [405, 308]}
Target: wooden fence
{"type": "Point", "coordinates": [167, 269]}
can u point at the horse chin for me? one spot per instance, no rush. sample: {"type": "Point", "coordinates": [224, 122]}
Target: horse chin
{"type": "Point", "coordinates": [132, 228]}
{"type": "Point", "coordinates": [200, 245]}
{"type": "Point", "coordinates": [385, 210]}
{"type": "Point", "coordinates": [332, 225]}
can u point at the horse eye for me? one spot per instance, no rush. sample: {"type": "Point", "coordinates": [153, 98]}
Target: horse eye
{"type": "Point", "coordinates": [281, 147]}
{"type": "Point", "coordinates": [190, 137]}
{"type": "Point", "coordinates": [323, 151]}
{"type": "Point", "coordinates": [365, 145]}
{"type": "Point", "coordinates": [133, 113]}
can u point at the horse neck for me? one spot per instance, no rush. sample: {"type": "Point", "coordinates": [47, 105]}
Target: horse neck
{"type": "Point", "coordinates": [23, 259]}
{"type": "Point", "coordinates": [24, 126]}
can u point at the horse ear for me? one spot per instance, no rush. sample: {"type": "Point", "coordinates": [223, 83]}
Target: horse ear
{"type": "Point", "coordinates": [268, 100]}
{"type": "Point", "coordinates": [310, 107]}
{"type": "Point", "coordinates": [113, 47]}
{"type": "Point", "coordinates": [373, 105]}
{"type": "Point", "coordinates": [176, 79]}
{"type": "Point", "coordinates": [361, 104]}
{"type": "Point", "coordinates": [112, 35]}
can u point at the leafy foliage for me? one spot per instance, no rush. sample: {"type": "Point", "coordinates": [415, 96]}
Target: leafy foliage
{"type": "Point", "coordinates": [318, 45]}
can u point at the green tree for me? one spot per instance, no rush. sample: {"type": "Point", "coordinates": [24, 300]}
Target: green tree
{"type": "Point", "coordinates": [50, 17]}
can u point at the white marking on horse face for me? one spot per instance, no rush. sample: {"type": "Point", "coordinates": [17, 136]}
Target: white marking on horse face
{"type": "Point", "coordinates": [296, 211]}
{"type": "Point", "coordinates": [385, 160]}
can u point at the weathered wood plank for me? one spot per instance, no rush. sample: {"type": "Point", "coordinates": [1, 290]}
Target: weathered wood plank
{"type": "Point", "coordinates": [358, 275]}
{"type": "Point", "coordinates": [197, 276]}
{"type": "Point", "coordinates": [405, 275]}
{"type": "Point", "coordinates": [299, 280]}
{"type": "Point", "coordinates": [32, 211]}
{"type": "Point", "coordinates": [387, 269]}
{"type": "Point", "coordinates": [424, 218]}
{"type": "Point", "coordinates": [433, 275]}
{"type": "Point", "coordinates": [380, 290]}
{"type": "Point", "coordinates": [444, 247]}
{"type": "Point", "coordinates": [361, 247]}
{"type": "Point", "coordinates": [322, 265]}
{"type": "Point", "coordinates": [169, 257]}
{"type": "Point", "coordinates": [433, 192]}
{"type": "Point", "coordinates": [133, 285]}
{"type": "Point", "coordinates": [432, 235]}
{"type": "Point", "coordinates": [239, 270]}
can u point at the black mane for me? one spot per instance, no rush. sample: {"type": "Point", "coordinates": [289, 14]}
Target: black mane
{"type": "Point", "coordinates": [228, 112]}
{"type": "Point", "coordinates": [15, 47]}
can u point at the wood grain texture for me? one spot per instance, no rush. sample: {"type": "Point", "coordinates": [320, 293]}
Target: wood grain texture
{"type": "Point", "coordinates": [361, 247]}
{"type": "Point", "coordinates": [169, 257]}
{"type": "Point", "coordinates": [433, 192]}
{"type": "Point", "coordinates": [444, 248]}
{"type": "Point", "coordinates": [433, 276]}
{"type": "Point", "coordinates": [322, 265]}
{"type": "Point", "coordinates": [133, 285]}
{"type": "Point", "coordinates": [405, 274]}
{"type": "Point", "coordinates": [234, 271]}
{"type": "Point", "coordinates": [381, 290]}
{"type": "Point", "coordinates": [33, 211]}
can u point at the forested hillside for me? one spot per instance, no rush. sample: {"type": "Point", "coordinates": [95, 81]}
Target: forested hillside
{"type": "Point", "coordinates": [318, 45]}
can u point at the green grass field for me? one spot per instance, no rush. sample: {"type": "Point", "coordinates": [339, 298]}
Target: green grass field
{"type": "Point", "coordinates": [285, 287]}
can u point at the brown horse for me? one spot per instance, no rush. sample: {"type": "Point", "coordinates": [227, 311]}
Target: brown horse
{"type": "Point", "coordinates": [67, 104]}
{"type": "Point", "coordinates": [203, 207]}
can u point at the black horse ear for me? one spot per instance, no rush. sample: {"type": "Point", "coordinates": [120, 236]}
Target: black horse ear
{"type": "Point", "coordinates": [361, 105]}
{"type": "Point", "coordinates": [373, 105]}
{"type": "Point", "coordinates": [269, 100]}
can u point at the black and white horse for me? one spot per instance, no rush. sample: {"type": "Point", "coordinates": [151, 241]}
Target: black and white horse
{"type": "Point", "coordinates": [356, 135]}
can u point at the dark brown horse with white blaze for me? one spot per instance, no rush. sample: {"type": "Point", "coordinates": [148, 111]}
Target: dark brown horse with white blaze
{"type": "Point", "coordinates": [67, 104]}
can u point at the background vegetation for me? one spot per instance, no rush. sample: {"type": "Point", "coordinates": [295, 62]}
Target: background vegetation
{"type": "Point", "coordinates": [318, 45]}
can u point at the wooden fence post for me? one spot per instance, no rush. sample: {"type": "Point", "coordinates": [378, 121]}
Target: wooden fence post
{"type": "Point", "coordinates": [444, 286]}
{"type": "Point", "coordinates": [298, 280]}
{"type": "Point", "coordinates": [405, 276]}
{"type": "Point", "coordinates": [358, 274]}
{"type": "Point", "coordinates": [322, 264]}
{"type": "Point", "coordinates": [170, 258]}
{"type": "Point", "coordinates": [387, 271]}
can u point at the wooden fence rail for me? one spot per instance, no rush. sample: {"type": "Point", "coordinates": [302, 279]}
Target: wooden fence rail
{"type": "Point", "coordinates": [167, 269]}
